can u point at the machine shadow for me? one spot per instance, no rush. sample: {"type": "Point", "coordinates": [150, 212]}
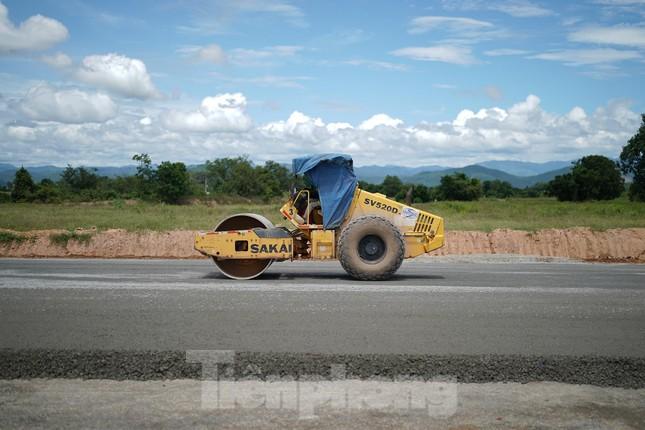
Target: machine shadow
{"type": "Point", "coordinates": [322, 276]}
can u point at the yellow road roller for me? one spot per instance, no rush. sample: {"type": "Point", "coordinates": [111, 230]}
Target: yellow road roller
{"type": "Point", "coordinates": [332, 218]}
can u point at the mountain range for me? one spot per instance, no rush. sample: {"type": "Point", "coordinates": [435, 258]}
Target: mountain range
{"type": "Point", "coordinates": [484, 174]}
{"type": "Point", "coordinates": [519, 173]}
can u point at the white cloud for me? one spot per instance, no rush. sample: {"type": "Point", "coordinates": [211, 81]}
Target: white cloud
{"type": "Point", "coordinates": [379, 120]}
{"type": "Point", "coordinates": [334, 127]}
{"type": "Point", "coordinates": [218, 16]}
{"type": "Point", "coordinates": [579, 57]}
{"type": "Point", "coordinates": [262, 57]}
{"type": "Point", "coordinates": [505, 51]}
{"type": "Point", "coordinates": [625, 35]}
{"type": "Point", "coordinates": [219, 128]}
{"type": "Point", "coordinates": [44, 103]}
{"type": "Point", "coordinates": [35, 33]}
{"type": "Point", "coordinates": [626, 7]}
{"type": "Point", "coordinates": [267, 80]}
{"type": "Point", "coordinates": [443, 53]}
{"type": "Point", "coordinates": [223, 112]}
{"type": "Point", "coordinates": [515, 8]}
{"type": "Point", "coordinates": [620, 2]}
{"type": "Point", "coordinates": [57, 60]}
{"type": "Point", "coordinates": [493, 92]}
{"type": "Point", "coordinates": [465, 115]}
{"type": "Point", "coordinates": [377, 65]}
{"type": "Point", "coordinates": [20, 132]}
{"type": "Point", "coordinates": [268, 56]}
{"type": "Point", "coordinates": [297, 124]}
{"type": "Point", "coordinates": [578, 115]}
{"type": "Point", "coordinates": [212, 53]}
{"type": "Point", "coordinates": [572, 20]}
{"type": "Point", "coordinates": [114, 72]}
{"type": "Point", "coordinates": [522, 9]}
{"type": "Point", "coordinates": [423, 24]}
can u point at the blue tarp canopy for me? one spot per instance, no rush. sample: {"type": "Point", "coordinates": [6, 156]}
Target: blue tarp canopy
{"type": "Point", "coordinates": [333, 176]}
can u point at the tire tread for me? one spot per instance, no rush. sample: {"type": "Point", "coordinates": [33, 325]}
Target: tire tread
{"type": "Point", "coordinates": [354, 272]}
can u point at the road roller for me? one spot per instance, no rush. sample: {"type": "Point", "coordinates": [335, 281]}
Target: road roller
{"type": "Point", "coordinates": [329, 218]}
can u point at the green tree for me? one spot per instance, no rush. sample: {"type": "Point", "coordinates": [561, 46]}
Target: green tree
{"type": "Point", "coordinates": [458, 186]}
{"type": "Point", "coordinates": [392, 186]}
{"type": "Point", "coordinates": [79, 178]}
{"type": "Point", "coordinates": [23, 186]}
{"type": "Point", "coordinates": [368, 186]}
{"type": "Point", "coordinates": [274, 179]}
{"type": "Point", "coordinates": [498, 189]}
{"type": "Point", "coordinates": [233, 176]}
{"type": "Point", "coordinates": [145, 176]}
{"type": "Point", "coordinates": [632, 162]}
{"type": "Point", "coordinates": [593, 177]}
{"type": "Point", "coordinates": [173, 181]}
{"type": "Point", "coordinates": [539, 189]}
{"type": "Point", "coordinates": [563, 187]}
{"type": "Point", "coordinates": [420, 193]}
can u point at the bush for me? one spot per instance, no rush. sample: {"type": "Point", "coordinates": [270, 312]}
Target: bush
{"type": "Point", "coordinates": [61, 239]}
{"type": "Point", "coordinates": [47, 192]}
{"type": "Point", "coordinates": [593, 177]}
{"type": "Point", "coordinates": [7, 238]}
{"type": "Point", "coordinates": [458, 186]}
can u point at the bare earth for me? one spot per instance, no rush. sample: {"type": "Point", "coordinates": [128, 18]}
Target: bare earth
{"type": "Point", "coordinates": [575, 243]}
{"type": "Point", "coordinates": [178, 404]}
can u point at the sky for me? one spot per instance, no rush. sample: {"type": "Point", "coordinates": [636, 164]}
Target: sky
{"type": "Point", "coordinates": [412, 83]}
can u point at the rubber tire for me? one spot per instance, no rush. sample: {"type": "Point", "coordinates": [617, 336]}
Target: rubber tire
{"type": "Point", "coordinates": [358, 268]}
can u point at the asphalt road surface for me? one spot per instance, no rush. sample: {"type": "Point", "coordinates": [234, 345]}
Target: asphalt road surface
{"type": "Point", "coordinates": [107, 344]}
{"type": "Point", "coordinates": [433, 306]}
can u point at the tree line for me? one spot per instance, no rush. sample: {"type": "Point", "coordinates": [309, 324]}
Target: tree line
{"type": "Point", "coordinates": [168, 182]}
{"type": "Point", "coordinates": [593, 177]}
{"type": "Point", "coordinates": [457, 186]}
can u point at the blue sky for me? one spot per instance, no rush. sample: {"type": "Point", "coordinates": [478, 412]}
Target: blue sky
{"type": "Point", "coordinates": [443, 82]}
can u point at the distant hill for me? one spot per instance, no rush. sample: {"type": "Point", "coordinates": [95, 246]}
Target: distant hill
{"type": "Point", "coordinates": [428, 175]}
{"type": "Point", "coordinates": [376, 174]}
{"type": "Point", "coordinates": [524, 168]}
{"type": "Point", "coordinates": [484, 174]}
{"type": "Point", "coordinates": [38, 173]}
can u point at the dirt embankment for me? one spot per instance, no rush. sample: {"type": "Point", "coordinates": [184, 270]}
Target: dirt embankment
{"type": "Point", "coordinates": [578, 243]}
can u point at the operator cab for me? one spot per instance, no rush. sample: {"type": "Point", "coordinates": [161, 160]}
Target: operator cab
{"type": "Point", "coordinates": [304, 208]}
{"type": "Point", "coordinates": [324, 200]}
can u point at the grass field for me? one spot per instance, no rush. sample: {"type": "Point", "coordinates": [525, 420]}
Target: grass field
{"type": "Point", "coordinates": [485, 215]}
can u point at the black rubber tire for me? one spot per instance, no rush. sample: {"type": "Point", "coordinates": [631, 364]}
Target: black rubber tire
{"type": "Point", "coordinates": [360, 268]}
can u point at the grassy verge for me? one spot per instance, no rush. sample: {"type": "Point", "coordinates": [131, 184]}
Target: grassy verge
{"type": "Point", "coordinates": [484, 215]}
{"type": "Point", "coordinates": [62, 239]}
{"type": "Point", "coordinates": [8, 238]}
{"type": "Point", "coordinates": [134, 217]}
{"type": "Point", "coordinates": [535, 214]}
